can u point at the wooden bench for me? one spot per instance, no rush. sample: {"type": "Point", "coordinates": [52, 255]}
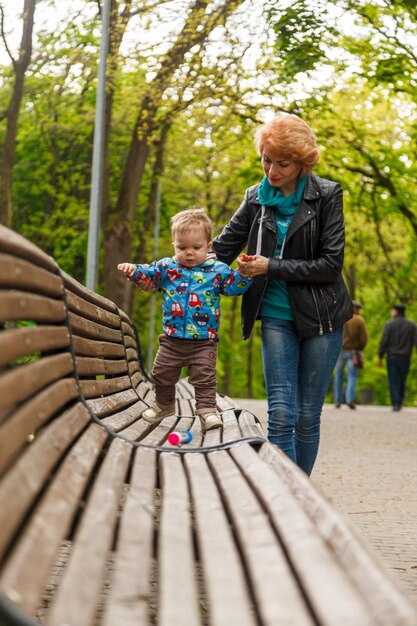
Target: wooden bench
{"type": "Point", "coordinates": [103, 523]}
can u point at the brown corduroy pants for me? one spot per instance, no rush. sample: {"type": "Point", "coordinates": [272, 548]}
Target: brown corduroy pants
{"type": "Point", "coordinates": [199, 355]}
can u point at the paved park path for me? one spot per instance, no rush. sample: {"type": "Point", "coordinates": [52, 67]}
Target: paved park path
{"type": "Point", "coordinates": [367, 468]}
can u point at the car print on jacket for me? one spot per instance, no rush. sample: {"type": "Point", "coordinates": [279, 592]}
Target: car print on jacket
{"type": "Point", "coordinates": [191, 296]}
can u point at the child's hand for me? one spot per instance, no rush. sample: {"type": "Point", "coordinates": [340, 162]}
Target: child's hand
{"type": "Point", "coordinates": [128, 269]}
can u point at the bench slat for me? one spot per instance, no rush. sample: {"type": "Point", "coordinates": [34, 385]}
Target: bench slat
{"type": "Point", "coordinates": [128, 604]}
{"type": "Point", "coordinates": [386, 602]}
{"type": "Point", "coordinates": [137, 379]}
{"type": "Point", "coordinates": [92, 348]}
{"type": "Point", "coordinates": [18, 274]}
{"type": "Point", "coordinates": [20, 305]}
{"type": "Point", "coordinates": [91, 366]}
{"type": "Point", "coordinates": [158, 435]}
{"type": "Point", "coordinates": [50, 523]}
{"type": "Point", "coordinates": [128, 330]}
{"type": "Point", "coordinates": [249, 425]}
{"type": "Point", "coordinates": [133, 367]}
{"type": "Point", "coordinates": [22, 382]}
{"type": "Point", "coordinates": [102, 407]}
{"type": "Point", "coordinates": [224, 578]}
{"type": "Point", "coordinates": [15, 244]}
{"type": "Point", "coordinates": [178, 604]}
{"type": "Point", "coordinates": [86, 309]}
{"type": "Point", "coordinates": [107, 386]}
{"type": "Point", "coordinates": [25, 480]}
{"type": "Point", "coordinates": [91, 296]}
{"type": "Point", "coordinates": [131, 354]}
{"type": "Point", "coordinates": [32, 415]}
{"type": "Point", "coordinates": [333, 598]}
{"type": "Point", "coordinates": [20, 342]}
{"type": "Point", "coordinates": [278, 597]}
{"type": "Point", "coordinates": [77, 597]}
{"type": "Point", "coordinates": [231, 430]}
{"type": "Point", "coordinates": [92, 330]}
{"type": "Point", "coordinates": [130, 342]}
{"type": "Point", "coordinates": [123, 419]}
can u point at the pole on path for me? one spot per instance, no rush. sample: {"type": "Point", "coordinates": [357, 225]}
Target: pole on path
{"type": "Point", "coordinates": [154, 295]}
{"type": "Point", "coordinates": [96, 193]}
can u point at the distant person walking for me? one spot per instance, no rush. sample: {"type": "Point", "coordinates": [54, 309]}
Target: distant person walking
{"type": "Point", "coordinates": [355, 337]}
{"type": "Point", "coordinates": [398, 338]}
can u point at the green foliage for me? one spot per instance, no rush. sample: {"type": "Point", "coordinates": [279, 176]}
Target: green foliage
{"type": "Point", "coordinates": [347, 67]}
{"type": "Point", "coordinates": [299, 31]}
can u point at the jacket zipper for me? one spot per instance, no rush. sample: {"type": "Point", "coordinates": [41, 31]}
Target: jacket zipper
{"type": "Point", "coordinates": [187, 303]}
{"type": "Point", "coordinates": [329, 321]}
{"type": "Point", "coordinates": [317, 309]}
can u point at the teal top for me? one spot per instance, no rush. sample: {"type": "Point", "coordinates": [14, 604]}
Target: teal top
{"type": "Point", "coordinates": [276, 302]}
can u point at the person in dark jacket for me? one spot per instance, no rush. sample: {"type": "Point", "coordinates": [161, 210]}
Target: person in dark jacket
{"type": "Point", "coordinates": [399, 336]}
{"type": "Point", "coordinates": [292, 225]}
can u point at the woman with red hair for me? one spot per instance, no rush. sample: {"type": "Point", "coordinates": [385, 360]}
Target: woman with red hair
{"type": "Point", "coordinates": [292, 226]}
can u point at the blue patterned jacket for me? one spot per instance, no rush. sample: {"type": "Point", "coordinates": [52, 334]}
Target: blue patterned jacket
{"type": "Point", "coordinates": [191, 304]}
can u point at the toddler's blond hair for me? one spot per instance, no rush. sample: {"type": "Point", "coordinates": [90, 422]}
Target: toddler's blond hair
{"type": "Point", "coordinates": [191, 219]}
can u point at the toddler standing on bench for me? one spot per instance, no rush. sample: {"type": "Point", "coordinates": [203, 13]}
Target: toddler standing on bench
{"type": "Point", "coordinates": [192, 282]}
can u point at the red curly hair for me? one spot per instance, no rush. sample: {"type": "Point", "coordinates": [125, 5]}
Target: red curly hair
{"type": "Point", "coordinates": [289, 137]}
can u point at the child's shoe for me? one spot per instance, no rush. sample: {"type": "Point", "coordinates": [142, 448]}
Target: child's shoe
{"type": "Point", "coordinates": [156, 413]}
{"type": "Point", "coordinates": [210, 421]}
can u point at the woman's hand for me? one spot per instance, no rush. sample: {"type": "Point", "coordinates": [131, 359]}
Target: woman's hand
{"type": "Point", "coordinates": [252, 265]}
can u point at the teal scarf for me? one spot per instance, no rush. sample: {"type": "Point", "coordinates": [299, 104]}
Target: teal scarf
{"type": "Point", "coordinates": [271, 196]}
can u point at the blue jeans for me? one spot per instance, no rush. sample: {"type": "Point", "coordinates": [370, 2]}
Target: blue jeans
{"type": "Point", "coordinates": [345, 359]}
{"type": "Point", "coordinates": [398, 367]}
{"type": "Point", "coordinates": [297, 374]}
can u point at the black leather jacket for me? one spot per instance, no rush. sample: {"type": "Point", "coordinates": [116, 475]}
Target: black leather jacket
{"type": "Point", "coordinates": [311, 257]}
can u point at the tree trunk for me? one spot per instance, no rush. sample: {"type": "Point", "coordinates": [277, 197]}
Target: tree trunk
{"type": "Point", "coordinates": [8, 150]}
{"type": "Point", "coordinates": [120, 219]}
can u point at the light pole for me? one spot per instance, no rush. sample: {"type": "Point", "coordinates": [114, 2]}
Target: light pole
{"type": "Point", "coordinates": [154, 295]}
{"type": "Point", "coordinates": [96, 193]}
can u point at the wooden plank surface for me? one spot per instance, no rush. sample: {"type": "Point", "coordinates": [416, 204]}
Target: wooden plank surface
{"type": "Point", "coordinates": [102, 407]}
{"type": "Point", "coordinates": [158, 435]}
{"type": "Point", "coordinates": [231, 429]}
{"type": "Point", "coordinates": [334, 600]}
{"type": "Point", "coordinates": [16, 245]}
{"type": "Point", "coordinates": [89, 365]}
{"type": "Point", "coordinates": [128, 604]}
{"type": "Point", "coordinates": [224, 578]}
{"type": "Point", "coordinates": [385, 600]}
{"type": "Point", "coordinates": [24, 381]}
{"type": "Point", "coordinates": [20, 342]}
{"type": "Point", "coordinates": [18, 274]}
{"type": "Point", "coordinates": [277, 595]}
{"type": "Point", "coordinates": [249, 425]}
{"type": "Point", "coordinates": [31, 416]}
{"type": "Point", "coordinates": [76, 600]}
{"type": "Point", "coordinates": [107, 386]}
{"type": "Point", "coordinates": [93, 348]}
{"type": "Point", "coordinates": [178, 604]}
{"type": "Point", "coordinates": [49, 524]}
{"type": "Point", "coordinates": [92, 330]}
{"type": "Point", "coordinates": [26, 478]}
{"type": "Point", "coordinates": [20, 305]}
{"type": "Point", "coordinates": [91, 296]}
{"type": "Point", "coordinates": [124, 418]}
{"type": "Point", "coordinates": [83, 308]}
